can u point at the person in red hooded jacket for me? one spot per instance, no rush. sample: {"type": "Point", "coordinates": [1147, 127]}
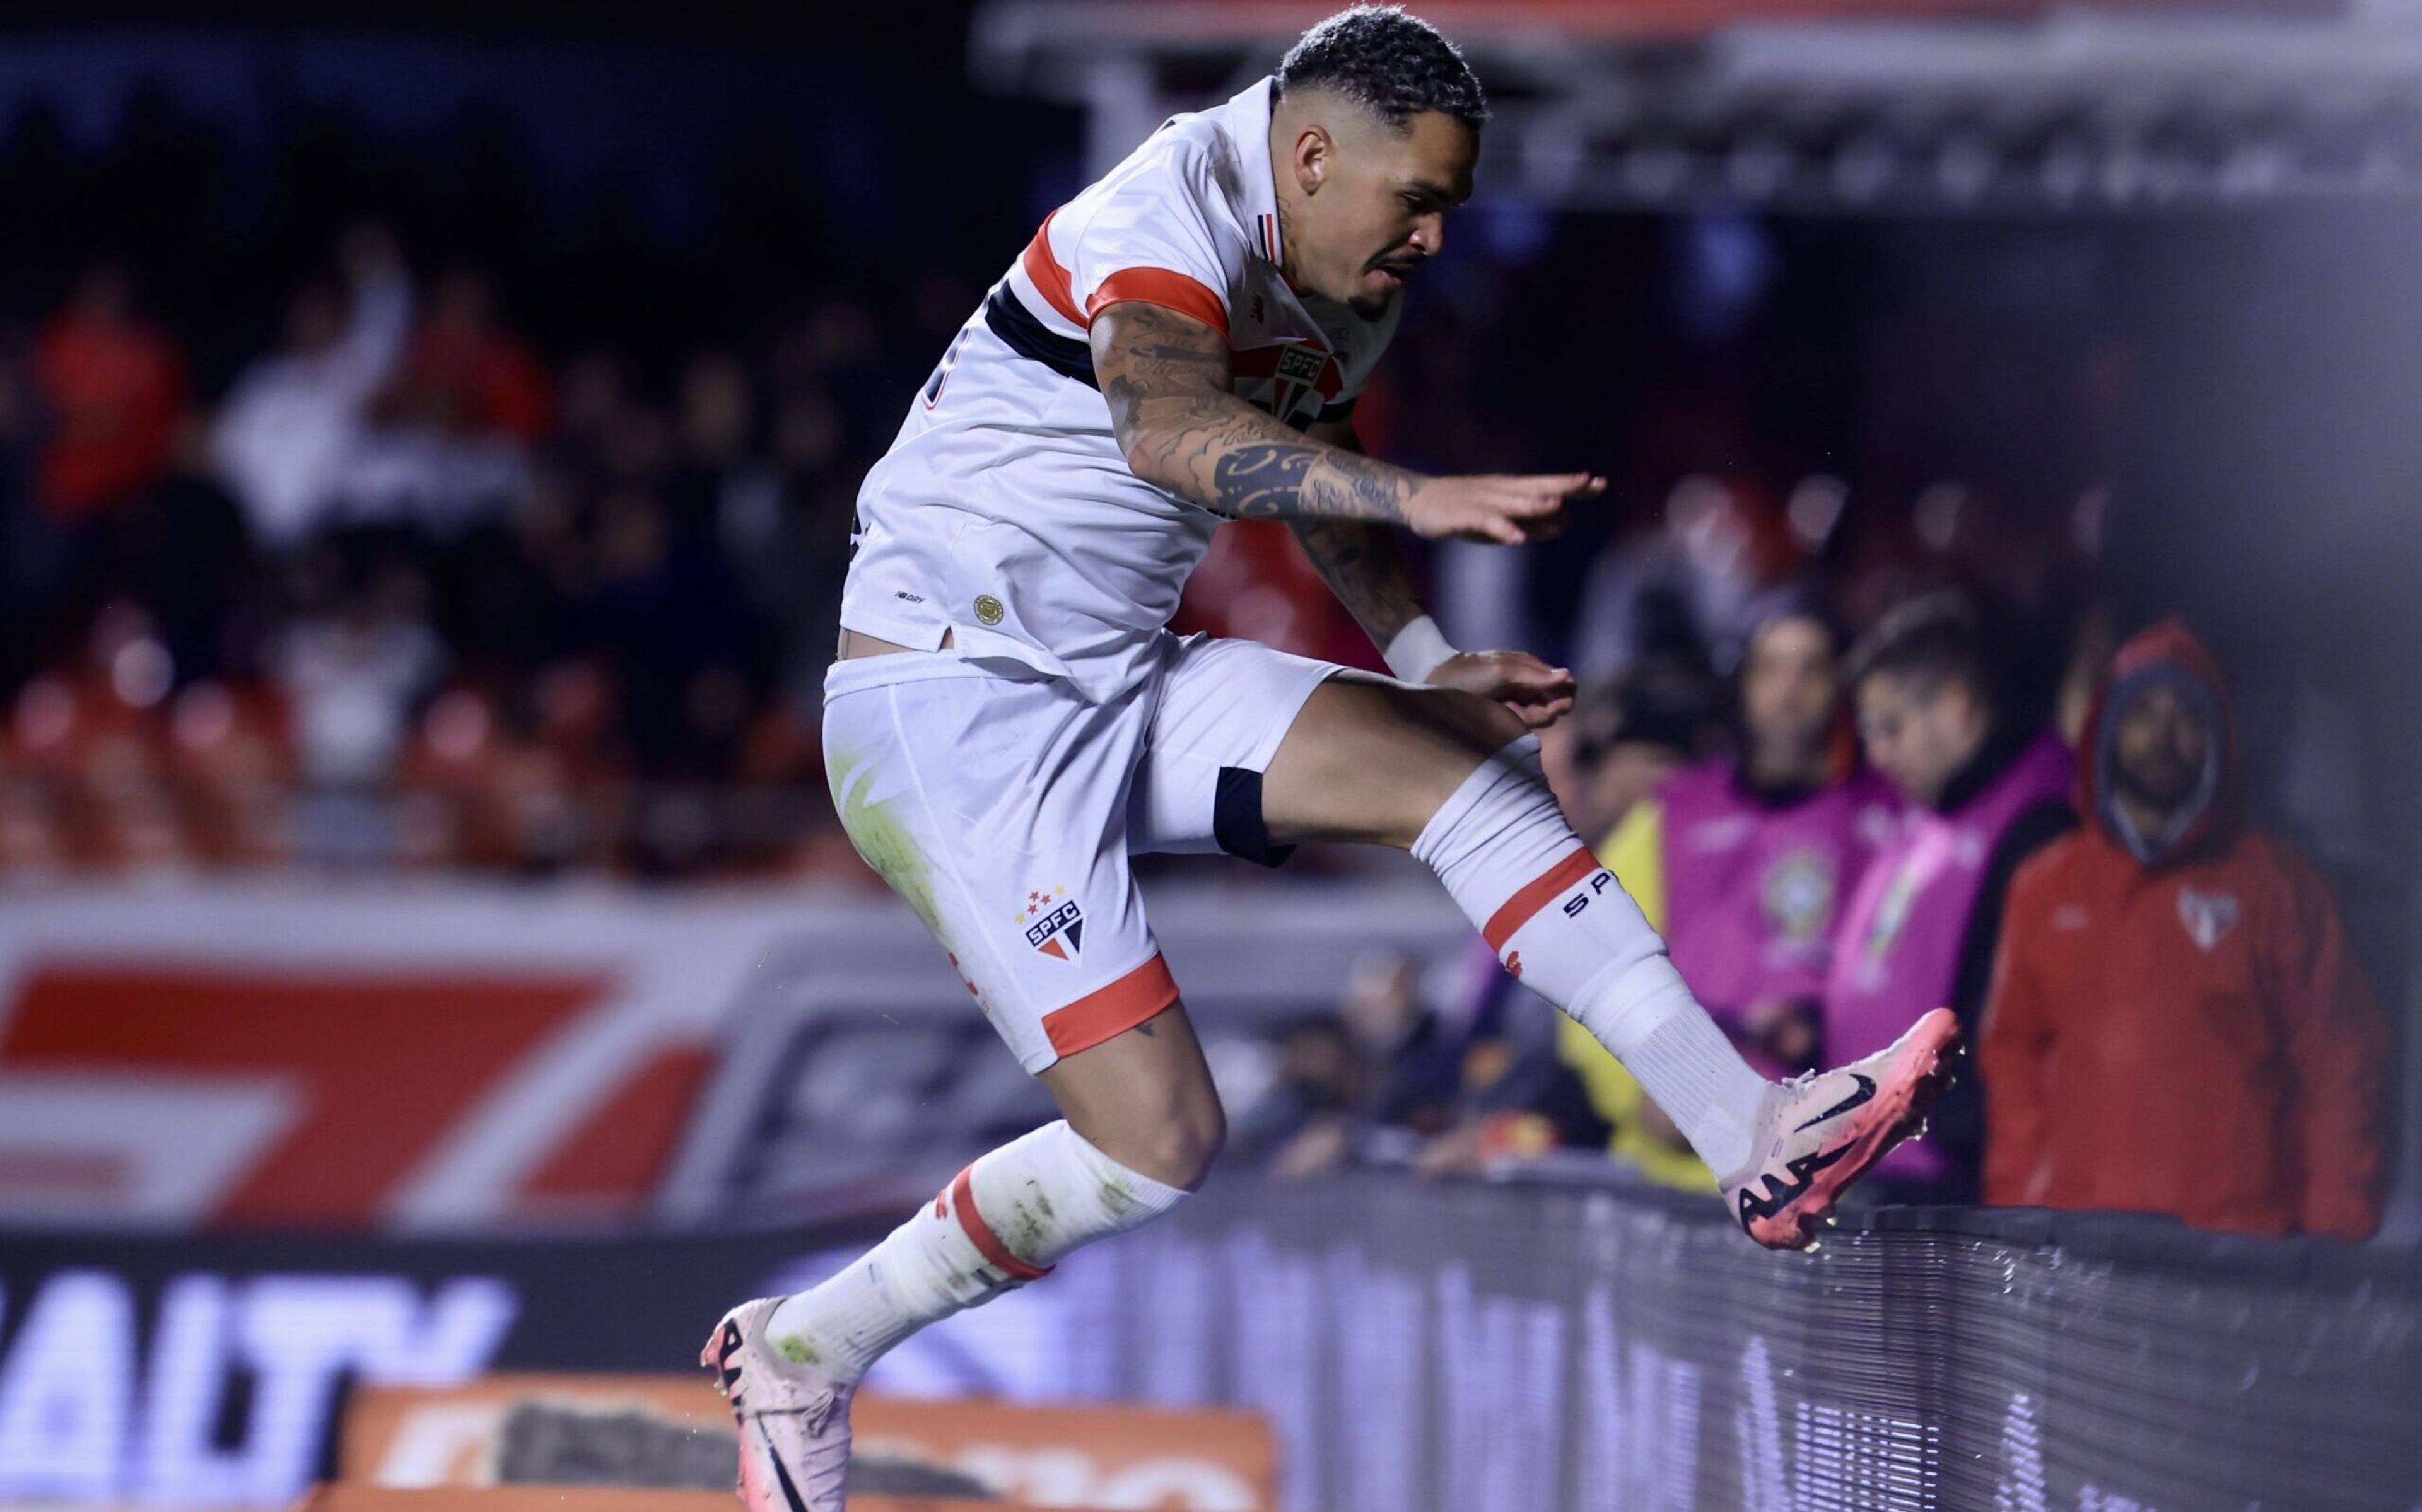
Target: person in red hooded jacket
{"type": "Point", "coordinates": [2176, 1024]}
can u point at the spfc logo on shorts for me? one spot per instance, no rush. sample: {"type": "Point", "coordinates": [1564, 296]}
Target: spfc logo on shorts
{"type": "Point", "coordinates": [2207, 915]}
{"type": "Point", "coordinates": [1055, 926]}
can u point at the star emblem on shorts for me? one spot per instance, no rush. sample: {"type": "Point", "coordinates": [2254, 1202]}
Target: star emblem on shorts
{"type": "Point", "coordinates": [1037, 902]}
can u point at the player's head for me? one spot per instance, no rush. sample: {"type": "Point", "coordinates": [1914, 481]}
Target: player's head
{"type": "Point", "coordinates": [1374, 132]}
{"type": "Point", "coordinates": [1925, 694]}
{"type": "Point", "coordinates": [1791, 688]}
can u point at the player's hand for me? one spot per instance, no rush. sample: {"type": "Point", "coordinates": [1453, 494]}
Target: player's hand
{"type": "Point", "coordinates": [1497, 507]}
{"type": "Point", "coordinates": [1540, 694]}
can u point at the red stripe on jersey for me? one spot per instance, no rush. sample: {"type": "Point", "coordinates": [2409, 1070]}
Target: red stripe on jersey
{"type": "Point", "coordinates": [1109, 1011]}
{"type": "Point", "coordinates": [1538, 895]}
{"type": "Point", "coordinates": [1050, 279]}
{"type": "Point", "coordinates": [1158, 286]}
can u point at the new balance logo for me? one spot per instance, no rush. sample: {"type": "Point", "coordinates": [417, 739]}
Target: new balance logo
{"type": "Point", "coordinates": [1866, 1090]}
{"type": "Point", "coordinates": [1780, 1194]}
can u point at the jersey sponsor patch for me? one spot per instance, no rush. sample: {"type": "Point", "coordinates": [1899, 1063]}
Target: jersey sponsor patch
{"type": "Point", "coordinates": [1055, 925]}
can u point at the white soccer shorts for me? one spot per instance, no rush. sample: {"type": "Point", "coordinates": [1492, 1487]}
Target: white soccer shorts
{"type": "Point", "coordinates": [1003, 811]}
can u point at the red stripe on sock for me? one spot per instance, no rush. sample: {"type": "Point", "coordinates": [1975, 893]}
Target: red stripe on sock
{"type": "Point", "coordinates": [1537, 895]}
{"type": "Point", "coordinates": [988, 1245]}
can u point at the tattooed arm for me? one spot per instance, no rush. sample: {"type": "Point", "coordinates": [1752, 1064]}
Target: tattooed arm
{"type": "Point", "coordinates": [1166, 378]}
{"type": "Point", "coordinates": [1360, 559]}
{"type": "Point", "coordinates": [1360, 562]}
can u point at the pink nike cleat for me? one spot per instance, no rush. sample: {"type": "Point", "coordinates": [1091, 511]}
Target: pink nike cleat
{"type": "Point", "coordinates": [1819, 1132]}
{"type": "Point", "coordinates": [793, 1416]}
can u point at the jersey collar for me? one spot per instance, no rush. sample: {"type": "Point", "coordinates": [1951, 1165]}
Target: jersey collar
{"type": "Point", "coordinates": [1249, 123]}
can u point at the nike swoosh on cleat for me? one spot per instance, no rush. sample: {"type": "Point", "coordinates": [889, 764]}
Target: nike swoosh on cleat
{"type": "Point", "coordinates": [1866, 1093]}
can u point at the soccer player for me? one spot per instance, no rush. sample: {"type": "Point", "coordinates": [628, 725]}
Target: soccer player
{"type": "Point", "coordinates": [1009, 720]}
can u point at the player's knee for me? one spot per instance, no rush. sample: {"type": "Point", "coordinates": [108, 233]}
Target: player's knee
{"type": "Point", "coordinates": [1191, 1141]}
{"type": "Point", "coordinates": [1477, 727]}
{"type": "Point", "coordinates": [1177, 1148]}
{"type": "Point", "coordinates": [1494, 726]}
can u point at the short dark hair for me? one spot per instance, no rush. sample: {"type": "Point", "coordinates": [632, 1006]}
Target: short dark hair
{"type": "Point", "coordinates": [1930, 641]}
{"type": "Point", "coordinates": [1392, 64]}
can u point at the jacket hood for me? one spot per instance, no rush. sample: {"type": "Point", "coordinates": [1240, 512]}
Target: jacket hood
{"type": "Point", "coordinates": [2168, 655]}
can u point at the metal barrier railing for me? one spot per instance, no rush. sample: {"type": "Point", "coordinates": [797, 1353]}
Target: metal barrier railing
{"type": "Point", "coordinates": [1524, 1347]}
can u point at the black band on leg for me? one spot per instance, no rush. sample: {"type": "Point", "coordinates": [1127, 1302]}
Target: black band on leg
{"type": "Point", "coordinates": [1238, 822]}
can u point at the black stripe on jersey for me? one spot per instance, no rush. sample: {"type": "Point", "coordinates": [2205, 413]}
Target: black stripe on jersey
{"type": "Point", "coordinates": [1029, 337]}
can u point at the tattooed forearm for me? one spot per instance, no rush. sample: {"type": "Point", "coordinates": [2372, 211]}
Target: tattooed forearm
{"type": "Point", "coordinates": [1258, 479]}
{"type": "Point", "coordinates": [1363, 564]}
{"type": "Point", "coordinates": [1165, 377]}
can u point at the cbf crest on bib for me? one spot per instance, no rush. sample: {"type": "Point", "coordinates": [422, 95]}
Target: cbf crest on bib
{"type": "Point", "coordinates": [1798, 896]}
{"type": "Point", "coordinates": [2207, 915]}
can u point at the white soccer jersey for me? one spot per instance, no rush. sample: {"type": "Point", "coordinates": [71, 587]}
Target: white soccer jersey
{"type": "Point", "coordinates": [1005, 513]}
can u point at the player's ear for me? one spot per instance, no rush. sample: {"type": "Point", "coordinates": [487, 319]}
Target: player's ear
{"type": "Point", "coordinates": [1316, 154]}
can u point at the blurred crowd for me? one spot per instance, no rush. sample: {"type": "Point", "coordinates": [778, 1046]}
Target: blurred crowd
{"type": "Point", "coordinates": [411, 591]}
{"type": "Point", "coordinates": [1837, 835]}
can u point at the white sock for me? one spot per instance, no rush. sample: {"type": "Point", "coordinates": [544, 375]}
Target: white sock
{"type": "Point", "coordinates": [1005, 1221]}
{"type": "Point", "coordinates": [1561, 923]}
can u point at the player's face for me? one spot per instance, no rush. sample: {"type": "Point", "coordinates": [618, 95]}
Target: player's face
{"type": "Point", "coordinates": [2158, 747]}
{"type": "Point", "coordinates": [1918, 732]}
{"type": "Point", "coordinates": [1381, 208]}
{"type": "Point", "coordinates": [1788, 691]}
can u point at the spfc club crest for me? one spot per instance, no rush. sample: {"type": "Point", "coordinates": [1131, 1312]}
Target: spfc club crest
{"type": "Point", "coordinates": [1055, 926]}
{"type": "Point", "coordinates": [1298, 373]}
{"type": "Point", "coordinates": [2207, 915]}
{"type": "Point", "coordinates": [1303, 375]}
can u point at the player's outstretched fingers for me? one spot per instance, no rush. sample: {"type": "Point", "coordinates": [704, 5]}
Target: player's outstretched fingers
{"type": "Point", "coordinates": [1546, 497]}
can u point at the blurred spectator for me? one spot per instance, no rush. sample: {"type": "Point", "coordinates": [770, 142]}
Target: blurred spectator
{"type": "Point", "coordinates": [1614, 749]}
{"type": "Point", "coordinates": [286, 437]}
{"type": "Point", "coordinates": [468, 374]}
{"type": "Point", "coordinates": [1985, 790]}
{"type": "Point", "coordinates": [1517, 1102]}
{"type": "Point", "coordinates": [1371, 1084]}
{"type": "Point", "coordinates": [456, 422]}
{"type": "Point", "coordinates": [113, 387]}
{"type": "Point", "coordinates": [1674, 588]}
{"type": "Point", "coordinates": [2177, 1023]}
{"type": "Point", "coordinates": [1742, 864]}
{"type": "Point", "coordinates": [352, 676]}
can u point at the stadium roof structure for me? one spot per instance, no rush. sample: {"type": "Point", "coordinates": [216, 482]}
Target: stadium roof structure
{"type": "Point", "coordinates": [1912, 105]}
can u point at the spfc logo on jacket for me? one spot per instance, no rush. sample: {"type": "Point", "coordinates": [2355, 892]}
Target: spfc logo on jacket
{"type": "Point", "coordinates": [2207, 915]}
{"type": "Point", "coordinates": [1055, 926]}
